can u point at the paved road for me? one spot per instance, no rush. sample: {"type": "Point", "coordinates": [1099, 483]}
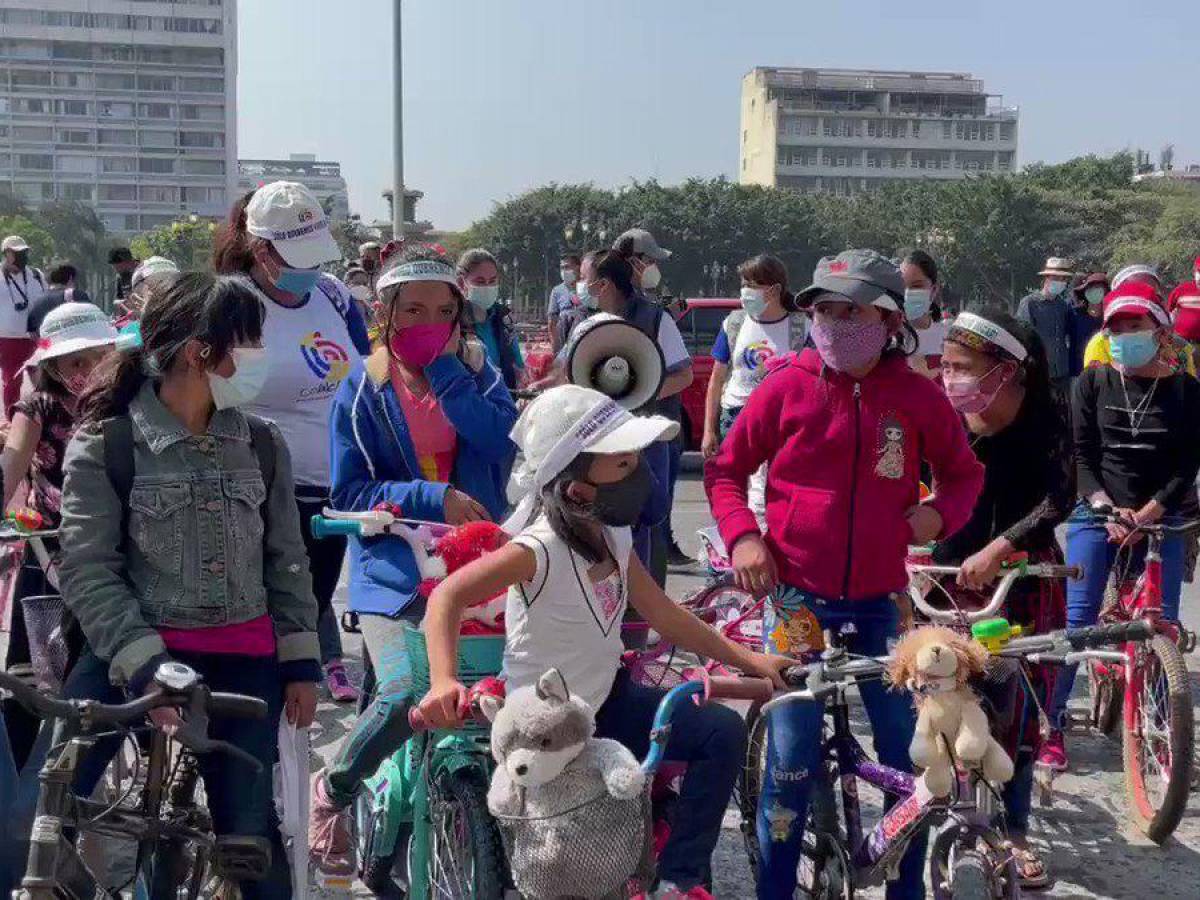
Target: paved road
{"type": "Point", "coordinates": [1084, 836]}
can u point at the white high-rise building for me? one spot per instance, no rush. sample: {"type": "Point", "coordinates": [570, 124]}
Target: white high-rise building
{"type": "Point", "coordinates": [847, 130]}
{"type": "Point", "coordinates": [128, 105]}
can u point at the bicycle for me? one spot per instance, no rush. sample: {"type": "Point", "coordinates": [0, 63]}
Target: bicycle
{"type": "Point", "coordinates": [1145, 687]}
{"type": "Point", "coordinates": [421, 820]}
{"type": "Point", "coordinates": [176, 849]}
{"type": "Point", "coordinates": [971, 858]}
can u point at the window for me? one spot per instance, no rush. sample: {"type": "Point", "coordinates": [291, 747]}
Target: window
{"type": "Point", "coordinates": [73, 79]}
{"type": "Point", "coordinates": [989, 132]}
{"type": "Point", "coordinates": [155, 83]}
{"type": "Point", "coordinates": [118, 164]}
{"type": "Point", "coordinates": [34, 105]}
{"type": "Point", "coordinates": [947, 131]}
{"type": "Point", "coordinates": [39, 133]}
{"type": "Point", "coordinates": [157, 139]}
{"type": "Point", "coordinates": [71, 51]}
{"type": "Point", "coordinates": [916, 129]}
{"type": "Point", "coordinates": [75, 136]}
{"type": "Point", "coordinates": [151, 221]}
{"type": "Point", "coordinates": [201, 139]}
{"type": "Point", "coordinates": [110, 82]}
{"type": "Point", "coordinates": [39, 161]}
{"type": "Point", "coordinates": [156, 165]}
{"type": "Point", "coordinates": [34, 192]}
{"type": "Point", "coordinates": [118, 193]}
{"type": "Point", "coordinates": [82, 192]}
{"type": "Point", "coordinates": [116, 136]}
{"type": "Point", "coordinates": [700, 327]}
{"type": "Point", "coordinates": [202, 85]}
{"type": "Point", "coordinates": [5, 162]}
{"type": "Point", "coordinates": [202, 195]}
{"type": "Point", "coordinates": [193, 112]}
{"type": "Point", "coordinates": [114, 53]}
{"type": "Point", "coordinates": [71, 107]}
{"type": "Point", "coordinates": [1006, 132]}
{"type": "Point", "coordinates": [25, 49]}
{"type": "Point", "coordinates": [80, 165]}
{"type": "Point", "coordinates": [204, 167]}
{"type": "Point", "coordinates": [154, 55]}
{"type": "Point", "coordinates": [159, 193]}
{"type": "Point", "coordinates": [30, 78]}
{"type": "Point", "coordinates": [156, 110]}
{"type": "Point", "coordinates": [111, 109]}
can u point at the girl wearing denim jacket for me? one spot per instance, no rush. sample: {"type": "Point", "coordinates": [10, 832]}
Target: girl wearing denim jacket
{"type": "Point", "coordinates": [202, 563]}
{"type": "Point", "coordinates": [421, 425]}
{"type": "Point", "coordinates": [843, 430]}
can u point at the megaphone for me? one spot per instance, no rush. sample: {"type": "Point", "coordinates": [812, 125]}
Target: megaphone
{"type": "Point", "coordinates": [609, 355]}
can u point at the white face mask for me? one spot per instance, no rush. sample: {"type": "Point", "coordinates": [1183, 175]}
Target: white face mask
{"type": "Point", "coordinates": [568, 276]}
{"type": "Point", "coordinates": [754, 301]}
{"type": "Point", "coordinates": [251, 368]}
{"type": "Point", "coordinates": [483, 296]}
{"type": "Point", "coordinates": [361, 293]}
{"type": "Point", "coordinates": [651, 277]}
{"type": "Point", "coordinates": [584, 295]}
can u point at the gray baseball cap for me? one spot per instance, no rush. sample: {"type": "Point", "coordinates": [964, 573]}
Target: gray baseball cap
{"type": "Point", "coordinates": [863, 276]}
{"type": "Point", "coordinates": [644, 243]}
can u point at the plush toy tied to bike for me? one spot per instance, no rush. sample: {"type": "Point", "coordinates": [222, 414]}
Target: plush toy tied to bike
{"type": "Point", "coordinates": [935, 664]}
{"type": "Point", "coordinates": [574, 810]}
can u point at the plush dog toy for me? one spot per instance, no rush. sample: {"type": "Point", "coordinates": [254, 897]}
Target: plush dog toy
{"type": "Point", "coordinates": [572, 806]}
{"type": "Point", "coordinates": [935, 664]}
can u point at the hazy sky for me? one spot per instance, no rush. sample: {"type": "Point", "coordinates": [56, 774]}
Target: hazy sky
{"type": "Point", "coordinates": [503, 95]}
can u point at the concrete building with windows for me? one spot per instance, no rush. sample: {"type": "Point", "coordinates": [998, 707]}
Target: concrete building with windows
{"type": "Point", "coordinates": [129, 105]}
{"type": "Point", "coordinates": [847, 130]}
{"type": "Point", "coordinates": [324, 179]}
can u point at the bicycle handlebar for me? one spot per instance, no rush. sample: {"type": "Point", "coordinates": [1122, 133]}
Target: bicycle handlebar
{"type": "Point", "coordinates": [1106, 513]}
{"type": "Point", "coordinates": [324, 528]}
{"type": "Point", "coordinates": [1023, 570]}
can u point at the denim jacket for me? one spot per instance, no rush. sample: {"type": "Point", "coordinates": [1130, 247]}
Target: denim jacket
{"type": "Point", "coordinates": [373, 461]}
{"type": "Point", "coordinates": [195, 554]}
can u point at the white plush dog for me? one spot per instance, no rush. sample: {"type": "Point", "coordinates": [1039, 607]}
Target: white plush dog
{"type": "Point", "coordinates": [557, 791]}
{"type": "Point", "coordinates": [935, 664]}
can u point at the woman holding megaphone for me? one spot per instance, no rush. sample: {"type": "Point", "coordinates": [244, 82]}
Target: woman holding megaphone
{"type": "Point", "coordinates": [422, 425]}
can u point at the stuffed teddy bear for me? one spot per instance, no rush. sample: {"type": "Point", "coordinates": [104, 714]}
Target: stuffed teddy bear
{"type": "Point", "coordinates": [573, 808]}
{"type": "Point", "coordinates": [935, 664]}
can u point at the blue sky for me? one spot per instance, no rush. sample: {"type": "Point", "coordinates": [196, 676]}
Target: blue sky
{"type": "Point", "coordinates": [504, 95]}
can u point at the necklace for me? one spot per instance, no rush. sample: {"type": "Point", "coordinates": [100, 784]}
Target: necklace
{"type": "Point", "coordinates": [1137, 415]}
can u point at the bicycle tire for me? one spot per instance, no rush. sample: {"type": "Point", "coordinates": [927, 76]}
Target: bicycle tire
{"type": "Point", "coordinates": [384, 873]}
{"type": "Point", "coordinates": [826, 875]}
{"type": "Point", "coordinates": [1106, 699]}
{"type": "Point", "coordinates": [960, 880]}
{"type": "Point", "coordinates": [1158, 822]}
{"type": "Point", "coordinates": [465, 792]}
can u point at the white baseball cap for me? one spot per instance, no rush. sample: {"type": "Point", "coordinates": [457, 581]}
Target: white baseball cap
{"type": "Point", "coordinates": [289, 216]}
{"type": "Point", "coordinates": [14, 242]}
{"type": "Point", "coordinates": [155, 265]}
{"type": "Point", "coordinates": [70, 328]}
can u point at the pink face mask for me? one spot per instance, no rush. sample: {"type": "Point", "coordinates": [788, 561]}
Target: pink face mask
{"type": "Point", "coordinates": [972, 394]}
{"type": "Point", "coordinates": [76, 384]}
{"type": "Point", "coordinates": [419, 345]}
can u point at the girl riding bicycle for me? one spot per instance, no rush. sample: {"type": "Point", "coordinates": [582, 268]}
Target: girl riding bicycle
{"type": "Point", "coordinates": [570, 574]}
{"type": "Point", "coordinates": [844, 428]}
{"type": "Point", "coordinates": [421, 425]}
{"type": "Point", "coordinates": [1137, 449]}
{"type": "Point", "coordinates": [995, 373]}
{"type": "Point", "coordinates": [180, 540]}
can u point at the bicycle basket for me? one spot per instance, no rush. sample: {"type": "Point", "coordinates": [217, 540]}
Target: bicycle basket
{"type": "Point", "coordinates": [46, 621]}
{"type": "Point", "coordinates": [478, 657]}
{"type": "Point", "coordinates": [592, 850]}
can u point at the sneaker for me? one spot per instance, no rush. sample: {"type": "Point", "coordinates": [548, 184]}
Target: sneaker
{"type": "Point", "coordinates": [1053, 752]}
{"type": "Point", "coordinates": [676, 557]}
{"type": "Point", "coordinates": [330, 833]}
{"type": "Point", "coordinates": [668, 891]}
{"type": "Point", "coordinates": [338, 682]}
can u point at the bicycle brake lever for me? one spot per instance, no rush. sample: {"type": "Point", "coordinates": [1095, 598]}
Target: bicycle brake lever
{"type": "Point", "coordinates": [236, 752]}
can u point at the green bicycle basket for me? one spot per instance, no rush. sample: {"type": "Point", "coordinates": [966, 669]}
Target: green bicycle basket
{"type": "Point", "coordinates": [478, 657]}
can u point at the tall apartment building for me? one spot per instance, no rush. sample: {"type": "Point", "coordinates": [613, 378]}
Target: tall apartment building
{"type": "Point", "coordinates": [129, 105]}
{"type": "Point", "coordinates": [324, 179]}
{"type": "Point", "coordinates": [844, 130]}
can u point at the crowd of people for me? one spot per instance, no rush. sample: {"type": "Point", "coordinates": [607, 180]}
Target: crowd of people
{"type": "Point", "coordinates": [178, 444]}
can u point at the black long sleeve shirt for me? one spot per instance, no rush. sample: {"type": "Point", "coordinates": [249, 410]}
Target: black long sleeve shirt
{"type": "Point", "coordinates": [1138, 442]}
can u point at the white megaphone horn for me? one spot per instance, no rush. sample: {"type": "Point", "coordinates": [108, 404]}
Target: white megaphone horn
{"type": "Point", "coordinates": [609, 355]}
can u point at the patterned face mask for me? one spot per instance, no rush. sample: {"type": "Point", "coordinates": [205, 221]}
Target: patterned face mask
{"type": "Point", "coordinates": [848, 346]}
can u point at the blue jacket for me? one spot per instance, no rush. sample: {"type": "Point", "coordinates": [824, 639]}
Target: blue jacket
{"type": "Point", "coordinates": [373, 461]}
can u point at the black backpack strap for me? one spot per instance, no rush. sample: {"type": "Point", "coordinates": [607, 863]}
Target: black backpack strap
{"type": "Point", "coordinates": [264, 449]}
{"type": "Point", "coordinates": [118, 462]}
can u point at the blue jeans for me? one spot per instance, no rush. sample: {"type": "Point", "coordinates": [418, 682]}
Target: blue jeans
{"type": "Point", "coordinates": [711, 740]}
{"type": "Point", "coordinates": [11, 841]}
{"type": "Point", "coordinates": [1088, 546]}
{"type": "Point", "coordinates": [794, 738]}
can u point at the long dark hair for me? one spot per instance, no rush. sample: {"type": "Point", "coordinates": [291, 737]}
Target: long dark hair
{"type": "Point", "coordinates": [569, 519]}
{"type": "Point", "coordinates": [217, 310]}
{"type": "Point", "coordinates": [233, 244]}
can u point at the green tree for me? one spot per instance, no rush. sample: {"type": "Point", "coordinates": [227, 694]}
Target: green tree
{"type": "Point", "coordinates": [40, 241]}
{"type": "Point", "coordinates": [187, 242]}
{"type": "Point", "coordinates": [81, 239]}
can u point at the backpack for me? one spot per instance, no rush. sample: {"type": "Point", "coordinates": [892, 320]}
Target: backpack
{"type": "Point", "coordinates": [118, 460]}
{"type": "Point", "coordinates": [797, 332]}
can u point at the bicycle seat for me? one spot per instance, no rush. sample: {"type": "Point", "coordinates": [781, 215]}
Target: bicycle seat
{"type": "Point", "coordinates": [242, 857]}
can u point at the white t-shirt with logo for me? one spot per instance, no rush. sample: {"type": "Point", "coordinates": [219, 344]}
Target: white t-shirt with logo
{"type": "Point", "coordinates": [17, 294]}
{"type": "Point", "coordinates": [311, 354]}
{"type": "Point", "coordinates": [929, 344]}
{"type": "Point", "coordinates": [757, 344]}
{"type": "Point", "coordinates": [561, 620]}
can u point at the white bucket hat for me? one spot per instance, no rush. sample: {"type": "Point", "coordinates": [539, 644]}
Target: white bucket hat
{"type": "Point", "coordinates": [568, 420]}
{"type": "Point", "coordinates": [288, 215]}
{"type": "Point", "coordinates": [70, 328]}
{"type": "Point", "coordinates": [155, 265]}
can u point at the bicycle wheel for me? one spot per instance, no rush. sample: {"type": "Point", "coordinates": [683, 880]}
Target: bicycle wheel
{"type": "Point", "coordinates": [466, 858]}
{"type": "Point", "coordinates": [822, 872]}
{"type": "Point", "coordinates": [969, 864]}
{"type": "Point", "coordinates": [1158, 751]}
{"type": "Point", "coordinates": [1106, 695]}
{"type": "Point", "coordinates": [383, 871]}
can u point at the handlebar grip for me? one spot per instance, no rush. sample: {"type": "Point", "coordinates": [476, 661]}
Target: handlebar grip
{"type": "Point", "coordinates": [756, 689]}
{"type": "Point", "coordinates": [237, 706]}
{"type": "Point", "coordinates": [416, 721]}
{"type": "Point", "coordinates": [1116, 633]}
{"type": "Point", "coordinates": [796, 676]}
{"type": "Point", "coordinates": [1071, 573]}
{"type": "Point", "coordinates": [323, 527]}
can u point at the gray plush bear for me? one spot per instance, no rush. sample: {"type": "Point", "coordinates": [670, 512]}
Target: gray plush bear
{"type": "Point", "coordinates": [574, 809]}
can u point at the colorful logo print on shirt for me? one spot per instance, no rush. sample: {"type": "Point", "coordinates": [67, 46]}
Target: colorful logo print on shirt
{"type": "Point", "coordinates": [327, 360]}
{"type": "Point", "coordinates": [756, 356]}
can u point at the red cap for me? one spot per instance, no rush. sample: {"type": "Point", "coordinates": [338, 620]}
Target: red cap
{"type": "Point", "coordinates": [1135, 298]}
{"type": "Point", "coordinates": [1185, 311]}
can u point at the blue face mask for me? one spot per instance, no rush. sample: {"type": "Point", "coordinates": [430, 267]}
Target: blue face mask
{"type": "Point", "coordinates": [297, 281]}
{"type": "Point", "coordinates": [1134, 348]}
{"type": "Point", "coordinates": [917, 303]}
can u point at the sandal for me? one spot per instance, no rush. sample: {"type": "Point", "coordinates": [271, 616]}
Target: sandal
{"type": "Point", "coordinates": [1031, 871]}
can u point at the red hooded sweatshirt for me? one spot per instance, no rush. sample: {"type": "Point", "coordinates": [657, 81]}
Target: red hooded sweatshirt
{"type": "Point", "coordinates": [844, 465]}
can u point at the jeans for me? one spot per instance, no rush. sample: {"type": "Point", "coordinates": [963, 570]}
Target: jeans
{"type": "Point", "coordinates": [1088, 546]}
{"type": "Point", "coordinates": [11, 842]}
{"type": "Point", "coordinates": [794, 739]}
{"type": "Point", "coordinates": [711, 740]}
{"type": "Point", "coordinates": [383, 727]}
{"type": "Point", "coordinates": [325, 558]}
{"type": "Point", "coordinates": [674, 458]}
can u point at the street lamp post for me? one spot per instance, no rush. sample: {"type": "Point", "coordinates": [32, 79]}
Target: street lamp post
{"type": "Point", "coordinates": [398, 126]}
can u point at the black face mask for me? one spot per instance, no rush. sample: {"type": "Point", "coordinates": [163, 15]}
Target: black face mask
{"type": "Point", "coordinates": [21, 258]}
{"type": "Point", "coordinates": [620, 504]}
